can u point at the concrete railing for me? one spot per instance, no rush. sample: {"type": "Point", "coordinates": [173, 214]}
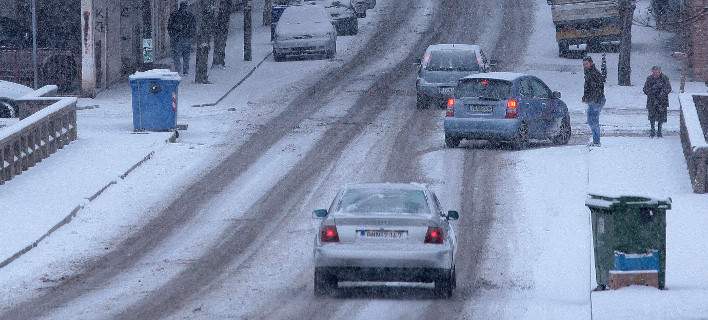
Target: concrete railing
{"type": "Point", "coordinates": [38, 135]}
{"type": "Point", "coordinates": [693, 138]}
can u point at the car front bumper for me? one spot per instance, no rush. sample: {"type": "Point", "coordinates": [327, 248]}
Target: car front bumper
{"type": "Point", "coordinates": [302, 47]}
{"type": "Point", "coordinates": [478, 128]}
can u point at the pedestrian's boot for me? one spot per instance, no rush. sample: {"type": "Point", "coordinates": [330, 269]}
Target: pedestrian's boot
{"type": "Point", "coordinates": [652, 133]}
{"type": "Point", "coordinates": [658, 130]}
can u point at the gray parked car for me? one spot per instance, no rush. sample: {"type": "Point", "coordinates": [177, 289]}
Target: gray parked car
{"type": "Point", "coordinates": [343, 17]}
{"type": "Point", "coordinates": [304, 30]}
{"type": "Point", "coordinates": [442, 65]}
{"type": "Point", "coordinates": [385, 232]}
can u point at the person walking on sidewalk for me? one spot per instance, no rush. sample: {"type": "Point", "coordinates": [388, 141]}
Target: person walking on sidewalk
{"type": "Point", "coordinates": [594, 96]}
{"type": "Point", "coordinates": [181, 27]}
{"type": "Point", "coordinates": [657, 88]}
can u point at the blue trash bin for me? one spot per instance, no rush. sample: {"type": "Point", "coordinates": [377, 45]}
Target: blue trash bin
{"type": "Point", "coordinates": [154, 95]}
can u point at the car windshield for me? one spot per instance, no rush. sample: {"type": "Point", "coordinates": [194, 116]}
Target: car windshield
{"type": "Point", "coordinates": [488, 89]}
{"type": "Point", "coordinates": [383, 201]}
{"type": "Point", "coordinates": [451, 60]}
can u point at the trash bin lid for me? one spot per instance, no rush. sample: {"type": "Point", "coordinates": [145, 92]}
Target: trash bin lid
{"type": "Point", "coordinates": [159, 74]}
{"type": "Point", "coordinates": [597, 201]}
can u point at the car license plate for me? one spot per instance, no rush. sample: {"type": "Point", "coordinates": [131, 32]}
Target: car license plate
{"type": "Point", "coordinates": [382, 234]}
{"type": "Point", "coordinates": [481, 108]}
{"type": "Point", "coordinates": [447, 90]}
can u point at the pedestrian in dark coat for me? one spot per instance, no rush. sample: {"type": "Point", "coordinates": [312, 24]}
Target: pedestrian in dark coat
{"type": "Point", "coordinates": [594, 96]}
{"type": "Point", "coordinates": [181, 27]}
{"type": "Point", "coordinates": [657, 88]}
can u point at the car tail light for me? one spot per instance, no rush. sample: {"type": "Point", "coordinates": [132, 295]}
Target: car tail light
{"type": "Point", "coordinates": [329, 234]}
{"type": "Point", "coordinates": [512, 108]}
{"type": "Point", "coordinates": [450, 108]}
{"type": "Point", "coordinates": [434, 235]}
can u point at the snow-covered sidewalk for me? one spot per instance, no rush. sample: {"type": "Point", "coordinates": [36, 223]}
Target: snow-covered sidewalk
{"type": "Point", "coordinates": [625, 111]}
{"type": "Point", "coordinates": [34, 204]}
{"type": "Point", "coordinates": [554, 243]}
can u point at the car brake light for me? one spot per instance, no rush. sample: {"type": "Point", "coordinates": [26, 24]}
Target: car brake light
{"type": "Point", "coordinates": [434, 235]}
{"type": "Point", "coordinates": [329, 234]}
{"type": "Point", "coordinates": [450, 108]}
{"type": "Point", "coordinates": [512, 108]}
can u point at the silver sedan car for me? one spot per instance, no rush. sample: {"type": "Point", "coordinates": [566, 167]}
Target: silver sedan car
{"type": "Point", "coordinates": [385, 232]}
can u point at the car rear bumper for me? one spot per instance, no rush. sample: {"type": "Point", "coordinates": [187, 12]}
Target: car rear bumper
{"type": "Point", "coordinates": [479, 128]}
{"type": "Point", "coordinates": [385, 274]}
{"type": "Point", "coordinates": [435, 91]}
{"type": "Point", "coordinates": [424, 256]}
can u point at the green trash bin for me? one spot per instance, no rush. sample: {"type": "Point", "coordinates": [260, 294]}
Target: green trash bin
{"type": "Point", "coordinates": [628, 224]}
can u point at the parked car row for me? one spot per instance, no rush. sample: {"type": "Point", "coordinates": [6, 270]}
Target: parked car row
{"type": "Point", "coordinates": [308, 28]}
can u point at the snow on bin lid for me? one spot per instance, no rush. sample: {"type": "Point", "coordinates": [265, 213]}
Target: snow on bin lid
{"type": "Point", "coordinates": [607, 201]}
{"type": "Point", "coordinates": [163, 74]}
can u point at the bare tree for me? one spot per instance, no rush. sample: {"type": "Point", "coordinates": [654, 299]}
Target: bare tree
{"type": "Point", "coordinates": [624, 67]}
{"type": "Point", "coordinates": [204, 34]}
{"type": "Point", "coordinates": [221, 32]}
{"type": "Point", "coordinates": [267, 11]}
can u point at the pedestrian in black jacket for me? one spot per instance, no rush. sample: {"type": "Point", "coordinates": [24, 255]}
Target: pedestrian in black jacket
{"type": "Point", "coordinates": [181, 27]}
{"type": "Point", "coordinates": [657, 88]}
{"type": "Point", "coordinates": [594, 96]}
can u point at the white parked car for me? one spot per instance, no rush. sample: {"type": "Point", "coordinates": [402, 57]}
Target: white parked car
{"type": "Point", "coordinates": [9, 91]}
{"type": "Point", "coordinates": [304, 30]}
{"type": "Point", "coordinates": [385, 232]}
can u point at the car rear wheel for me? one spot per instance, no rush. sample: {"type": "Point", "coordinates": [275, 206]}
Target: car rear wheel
{"type": "Point", "coordinates": [564, 133]}
{"type": "Point", "coordinates": [452, 142]}
{"type": "Point", "coordinates": [445, 284]}
{"type": "Point", "coordinates": [421, 102]}
{"type": "Point", "coordinates": [522, 137]}
{"type": "Point", "coordinates": [325, 283]}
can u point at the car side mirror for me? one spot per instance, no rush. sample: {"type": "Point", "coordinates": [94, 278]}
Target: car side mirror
{"type": "Point", "coordinates": [453, 215]}
{"type": "Point", "coordinates": [320, 214]}
{"type": "Point", "coordinates": [556, 95]}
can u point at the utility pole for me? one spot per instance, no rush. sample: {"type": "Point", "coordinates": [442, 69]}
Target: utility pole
{"type": "Point", "coordinates": [34, 44]}
{"type": "Point", "coordinates": [624, 67]}
{"type": "Point", "coordinates": [247, 31]}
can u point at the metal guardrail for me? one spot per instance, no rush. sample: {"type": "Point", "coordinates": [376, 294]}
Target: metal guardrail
{"type": "Point", "coordinates": [693, 140]}
{"type": "Point", "coordinates": [39, 135]}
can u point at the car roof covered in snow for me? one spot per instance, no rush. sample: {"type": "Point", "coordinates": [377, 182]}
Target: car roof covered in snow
{"type": "Point", "coordinates": [13, 90]}
{"type": "Point", "coordinates": [453, 46]}
{"type": "Point", "coordinates": [309, 12]}
{"type": "Point", "coordinates": [391, 186]}
{"type": "Point", "coordinates": [506, 76]}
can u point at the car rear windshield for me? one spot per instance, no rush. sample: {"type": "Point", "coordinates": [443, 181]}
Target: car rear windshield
{"type": "Point", "coordinates": [383, 201]}
{"type": "Point", "coordinates": [488, 89]}
{"type": "Point", "coordinates": [451, 60]}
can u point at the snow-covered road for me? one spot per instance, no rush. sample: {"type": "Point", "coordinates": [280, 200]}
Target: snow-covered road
{"type": "Point", "coordinates": [237, 242]}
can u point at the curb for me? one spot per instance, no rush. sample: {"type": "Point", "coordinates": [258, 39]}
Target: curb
{"type": "Point", "coordinates": [248, 75]}
{"type": "Point", "coordinates": [78, 208]}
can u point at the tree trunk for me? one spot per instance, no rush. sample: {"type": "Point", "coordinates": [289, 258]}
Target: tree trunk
{"type": "Point", "coordinates": [221, 33]}
{"type": "Point", "coordinates": [205, 30]}
{"type": "Point", "coordinates": [247, 31]}
{"type": "Point", "coordinates": [624, 67]}
{"type": "Point", "coordinates": [267, 11]}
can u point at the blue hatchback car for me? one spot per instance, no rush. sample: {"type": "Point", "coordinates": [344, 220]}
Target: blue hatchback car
{"type": "Point", "coordinates": [505, 107]}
